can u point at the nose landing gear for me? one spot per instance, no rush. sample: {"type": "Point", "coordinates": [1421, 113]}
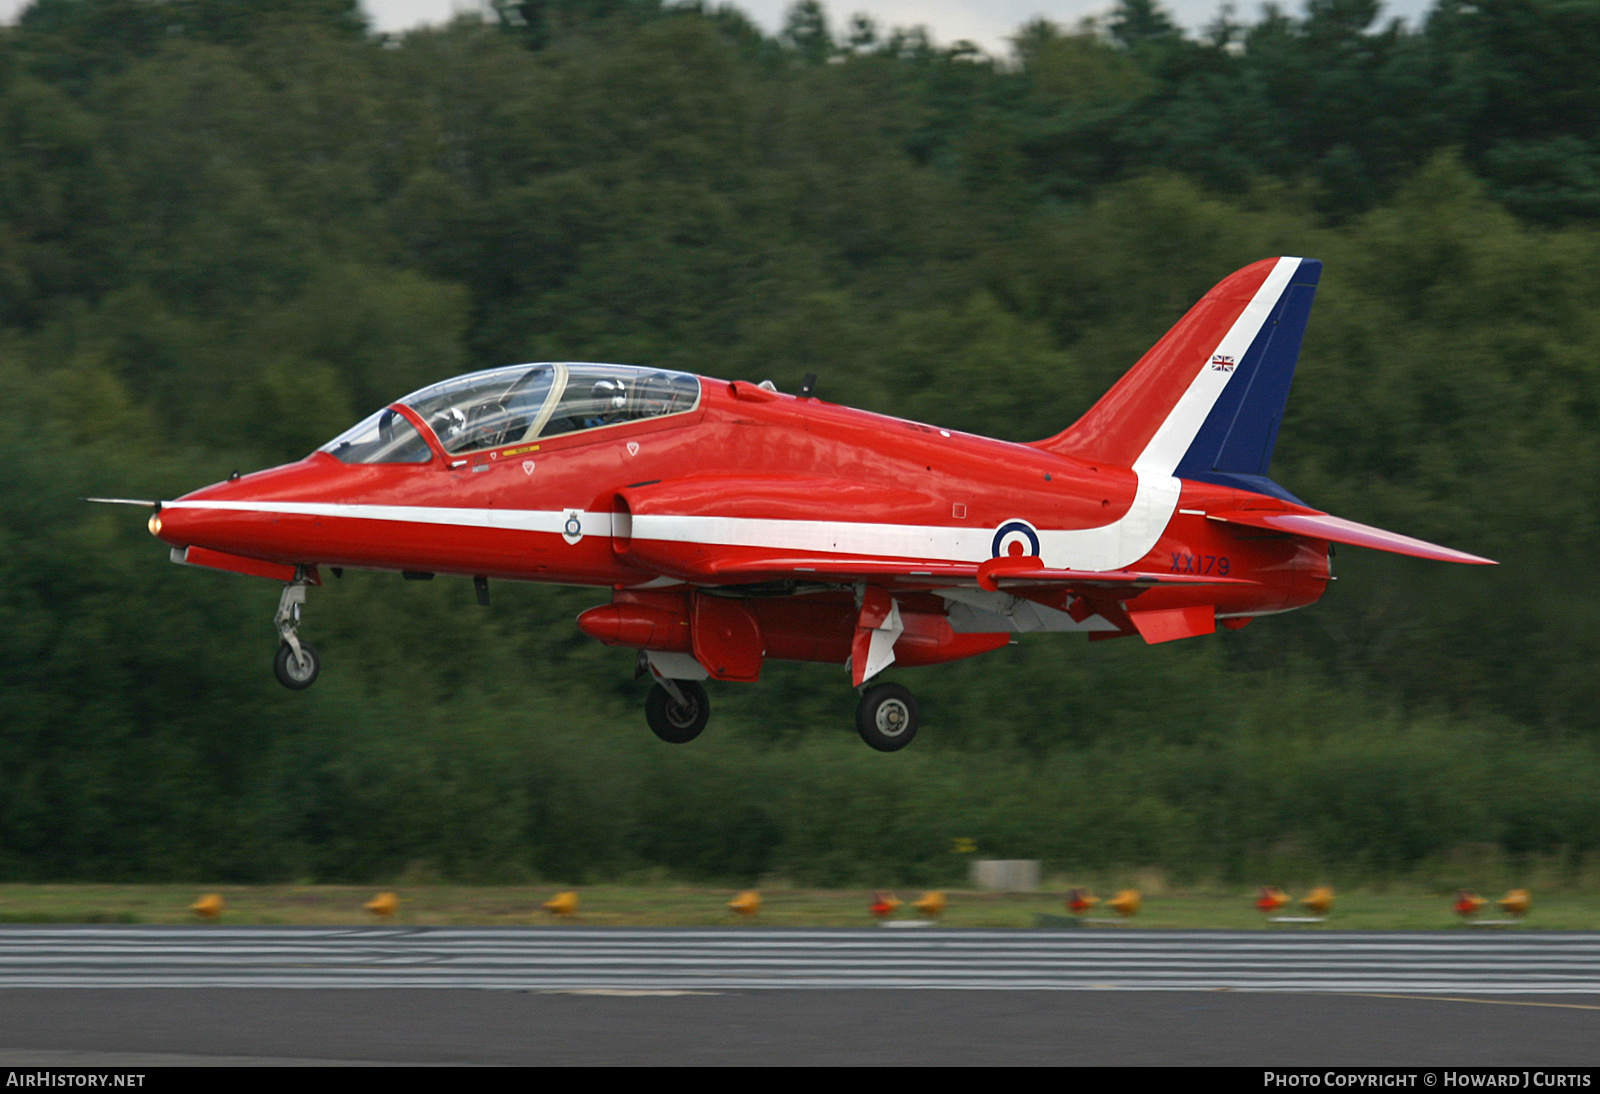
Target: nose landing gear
{"type": "Point", "coordinates": [296, 665]}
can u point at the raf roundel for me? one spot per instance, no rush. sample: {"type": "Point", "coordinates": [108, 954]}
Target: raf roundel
{"type": "Point", "coordinates": [1015, 537]}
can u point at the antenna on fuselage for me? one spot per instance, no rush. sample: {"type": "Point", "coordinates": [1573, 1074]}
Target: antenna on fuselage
{"type": "Point", "coordinates": [807, 384]}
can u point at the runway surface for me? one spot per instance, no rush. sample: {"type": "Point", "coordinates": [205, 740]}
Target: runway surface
{"type": "Point", "coordinates": [146, 996]}
{"type": "Point", "coordinates": [642, 959]}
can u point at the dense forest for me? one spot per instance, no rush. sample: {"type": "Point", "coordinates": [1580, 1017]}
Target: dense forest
{"type": "Point", "coordinates": [229, 228]}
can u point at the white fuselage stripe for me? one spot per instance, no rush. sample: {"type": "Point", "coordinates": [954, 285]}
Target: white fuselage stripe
{"type": "Point", "coordinates": [1111, 546]}
{"type": "Point", "coordinates": [519, 520]}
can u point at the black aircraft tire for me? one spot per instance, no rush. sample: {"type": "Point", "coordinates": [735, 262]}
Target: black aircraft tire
{"type": "Point", "coordinates": [887, 717]}
{"type": "Point", "coordinates": [296, 674]}
{"type": "Point", "coordinates": [676, 724]}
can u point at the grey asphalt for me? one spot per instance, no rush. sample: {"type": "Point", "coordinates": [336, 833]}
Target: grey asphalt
{"type": "Point", "coordinates": [887, 1027]}
{"type": "Point", "coordinates": [143, 996]}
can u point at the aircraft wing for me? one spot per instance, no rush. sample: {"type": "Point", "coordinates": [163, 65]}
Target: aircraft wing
{"type": "Point", "coordinates": [1315, 525]}
{"type": "Point", "coordinates": [1000, 573]}
{"type": "Point", "coordinates": [996, 573]}
{"type": "Point", "coordinates": [759, 528]}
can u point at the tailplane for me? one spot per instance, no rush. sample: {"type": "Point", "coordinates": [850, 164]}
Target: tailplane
{"type": "Point", "coordinates": [1314, 524]}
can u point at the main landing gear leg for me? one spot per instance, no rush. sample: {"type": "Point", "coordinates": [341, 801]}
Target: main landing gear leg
{"type": "Point", "coordinates": [296, 665]}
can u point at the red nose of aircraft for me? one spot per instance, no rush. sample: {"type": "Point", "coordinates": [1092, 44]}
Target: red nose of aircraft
{"type": "Point", "coordinates": [221, 517]}
{"type": "Point", "coordinates": [181, 526]}
{"type": "Point", "coordinates": [183, 523]}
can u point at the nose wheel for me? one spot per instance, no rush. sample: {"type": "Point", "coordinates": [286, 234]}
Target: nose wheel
{"type": "Point", "coordinates": [296, 669]}
{"type": "Point", "coordinates": [296, 665]}
{"type": "Point", "coordinates": [886, 717]}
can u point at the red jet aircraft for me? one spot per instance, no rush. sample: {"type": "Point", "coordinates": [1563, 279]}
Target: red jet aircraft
{"type": "Point", "coordinates": [734, 523]}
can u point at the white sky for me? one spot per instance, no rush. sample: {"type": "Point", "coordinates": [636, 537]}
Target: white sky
{"type": "Point", "coordinates": [990, 23]}
{"type": "Point", "coordinates": [987, 22]}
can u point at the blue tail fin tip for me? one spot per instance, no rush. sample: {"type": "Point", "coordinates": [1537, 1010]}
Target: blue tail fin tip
{"type": "Point", "coordinates": [1234, 445]}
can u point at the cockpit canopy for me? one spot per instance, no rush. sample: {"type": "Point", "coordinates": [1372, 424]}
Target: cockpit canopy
{"type": "Point", "coordinates": [506, 405]}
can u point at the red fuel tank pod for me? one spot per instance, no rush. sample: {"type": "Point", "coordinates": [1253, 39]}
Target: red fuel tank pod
{"type": "Point", "coordinates": [928, 640]}
{"type": "Point", "coordinates": [640, 626]}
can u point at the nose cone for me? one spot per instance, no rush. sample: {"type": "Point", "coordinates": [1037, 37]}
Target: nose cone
{"type": "Point", "coordinates": [224, 517]}
{"type": "Point", "coordinates": [180, 526]}
{"type": "Point", "coordinates": [191, 521]}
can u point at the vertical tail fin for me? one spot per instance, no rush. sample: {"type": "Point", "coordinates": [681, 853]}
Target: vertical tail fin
{"type": "Point", "coordinates": [1207, 400]}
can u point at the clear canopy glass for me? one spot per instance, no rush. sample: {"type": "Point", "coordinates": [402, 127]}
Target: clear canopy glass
{"type": "Point", "coordinates": [503, 406]}
{"type": "Point", "coordinates": [597, 395]}
{"type": "Point", "coordinates": [486, 409]}
{"type": "Point", "coordinates": [384, 437]}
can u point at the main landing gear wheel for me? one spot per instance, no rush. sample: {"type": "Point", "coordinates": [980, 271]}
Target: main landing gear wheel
{"type": "Point", "coordinates": [887, 717]}
{"type": "Point", "coordinates": [296, 672]}
{"type": "Point", "coordinates": [674, 722]}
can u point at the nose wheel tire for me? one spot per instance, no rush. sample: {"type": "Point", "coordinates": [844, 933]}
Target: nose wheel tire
{"type": "Point", "coordinates": [296, 673]}
{"type": "Point", "coordinates": [674, 722]}
{"type": "Point", "coordinates": [887, 717]}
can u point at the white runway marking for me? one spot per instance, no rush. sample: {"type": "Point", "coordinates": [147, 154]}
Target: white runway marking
{"type": "Point", "coordinates": [658, 961]}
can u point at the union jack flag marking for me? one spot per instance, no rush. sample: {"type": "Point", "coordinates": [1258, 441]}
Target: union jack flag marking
{"type": "Point", "coordinates": [1223, 363]}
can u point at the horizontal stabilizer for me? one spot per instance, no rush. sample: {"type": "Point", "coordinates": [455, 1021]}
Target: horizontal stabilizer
{"type": "Point", "coordinates": [1338, 530]}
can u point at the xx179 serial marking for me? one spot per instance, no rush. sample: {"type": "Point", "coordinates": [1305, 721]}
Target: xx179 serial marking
{"type": "Point", "coordinates": [1185, 563]}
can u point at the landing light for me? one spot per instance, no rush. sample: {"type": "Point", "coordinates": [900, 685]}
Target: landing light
{"type": "Point", "coordinates": [155, 524]}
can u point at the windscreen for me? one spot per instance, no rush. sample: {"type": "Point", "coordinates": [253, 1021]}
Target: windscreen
{"type": "Point", "coordinates": [384, 437]}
